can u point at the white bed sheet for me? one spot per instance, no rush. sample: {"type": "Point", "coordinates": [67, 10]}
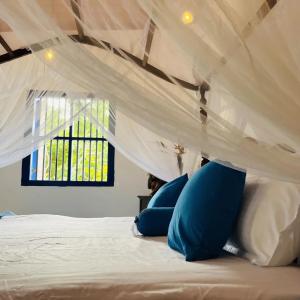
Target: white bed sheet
{"type": "Point", "coordinates": [57, 257]}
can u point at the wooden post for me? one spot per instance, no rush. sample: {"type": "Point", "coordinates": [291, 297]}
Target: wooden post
{"type": "Point", "coordinates": [204, 87]}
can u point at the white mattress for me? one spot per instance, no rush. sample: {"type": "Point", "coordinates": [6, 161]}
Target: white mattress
{"type": "Point", "coordinates": [56, 257]}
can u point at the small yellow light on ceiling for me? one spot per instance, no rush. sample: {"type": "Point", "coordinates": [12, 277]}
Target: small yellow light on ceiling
{"type": "Point", "coordinates": [187, 17]}
{"type": "Point", "coordinates": [49, 55]}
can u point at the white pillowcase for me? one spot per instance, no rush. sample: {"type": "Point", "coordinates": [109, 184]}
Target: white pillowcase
{"type": "Point", "coordinates": [268, 227]}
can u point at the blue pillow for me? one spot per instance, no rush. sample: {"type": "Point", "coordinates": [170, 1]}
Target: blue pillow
{"type": "Point", "coordinates": [206, 211]}
{"type": "Point", "coordinates": [6, 213]}
{"type": "Point", "coordinates": [154, 221]}
{"type": "Point", "coordinates": [168, 194]}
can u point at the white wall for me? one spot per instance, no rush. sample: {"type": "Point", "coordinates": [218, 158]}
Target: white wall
{"type": "Point", "coordinates": [119, 200]}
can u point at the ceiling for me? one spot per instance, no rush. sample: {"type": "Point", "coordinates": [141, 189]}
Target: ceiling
{"type": "Point", "coordinates": [150, 47]}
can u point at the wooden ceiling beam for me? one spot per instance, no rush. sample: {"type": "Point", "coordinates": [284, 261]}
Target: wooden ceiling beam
{"type": "Point", "coordinates": [75, 8]}
{"type": "Point", "coordinates": [272, 3]}
{"type": "Point", "coordinates": [262, 12]}
{"type": "Point", "coordinates": [150, 35]}
{"type": "Point", "coordinates": [151, 69]}
{"type": "Point", "coordinates": [260, 15]}
{"type": "Point", "coordinates": [104, 45]}
{"type": "Point", "coordinates": [14, 55]}
{"type": "Point", "coordinates": [5, 45]}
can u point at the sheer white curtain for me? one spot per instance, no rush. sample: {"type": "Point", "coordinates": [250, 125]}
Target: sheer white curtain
{"type": "Point", "coordinates": [21, 134]}
{"type": "Point", "coordinates": [250, 63]}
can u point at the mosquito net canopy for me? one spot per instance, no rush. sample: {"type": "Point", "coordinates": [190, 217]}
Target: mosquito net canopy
{"type": "Point", "coordinates": [183, 79]}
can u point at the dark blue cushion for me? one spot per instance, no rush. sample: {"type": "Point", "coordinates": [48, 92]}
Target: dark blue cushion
{"type": "Point", "coordinates": [168, 194]}
{"type": "Point", "coordinates": [154, 221]}
{"type": "Point", "coordinates": [206, 211]}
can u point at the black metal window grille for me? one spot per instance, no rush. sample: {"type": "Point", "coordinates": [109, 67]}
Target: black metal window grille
{"type": "Point", "coordinates": [78, 155]}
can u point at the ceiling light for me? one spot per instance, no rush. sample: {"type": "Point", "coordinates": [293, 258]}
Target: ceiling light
{"type": "Point", "coordinates": [49, 55]}
{"type": "Point", "coordinates": [187, 17]}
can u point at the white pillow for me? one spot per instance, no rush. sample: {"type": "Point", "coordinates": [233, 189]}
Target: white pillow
{"type": "Point", "coordinates": [268, 227]}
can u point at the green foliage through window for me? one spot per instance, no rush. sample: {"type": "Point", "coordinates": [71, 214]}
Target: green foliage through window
{"type": "Point", "coordinates": [79, 153]}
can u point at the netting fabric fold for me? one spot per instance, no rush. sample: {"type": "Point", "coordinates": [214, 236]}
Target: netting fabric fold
{"type": "Point", "coordinates": [246, 52]}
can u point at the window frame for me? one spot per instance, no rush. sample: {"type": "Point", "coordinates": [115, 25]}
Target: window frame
{"type": "Point", "coordinates": [25, 174]}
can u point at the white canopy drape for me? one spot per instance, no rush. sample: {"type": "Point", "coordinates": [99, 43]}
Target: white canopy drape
{"type": "Point", "coordinates": [248, 56]}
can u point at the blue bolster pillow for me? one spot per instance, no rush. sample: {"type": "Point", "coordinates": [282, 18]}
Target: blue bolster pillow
{"type": "Point", "coordinates": [154, 221]}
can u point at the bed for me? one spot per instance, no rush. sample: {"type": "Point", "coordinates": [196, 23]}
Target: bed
{"type": "Point", "coordinates": [58, 257]}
